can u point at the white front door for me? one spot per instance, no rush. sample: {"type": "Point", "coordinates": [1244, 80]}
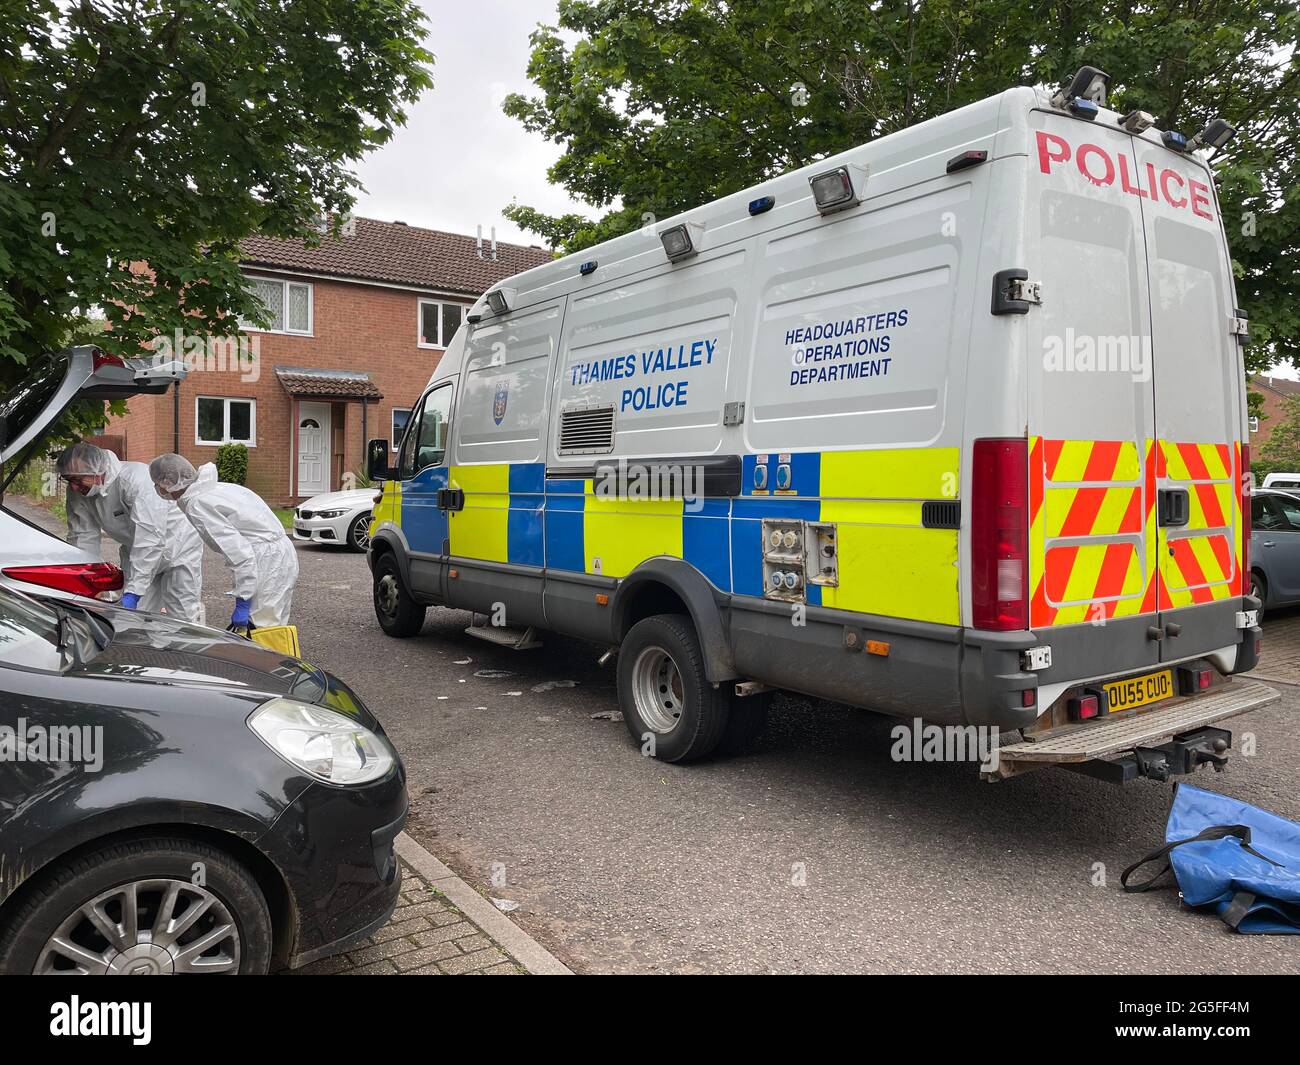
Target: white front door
{"type": "Point", "coordinates": [313, 448]}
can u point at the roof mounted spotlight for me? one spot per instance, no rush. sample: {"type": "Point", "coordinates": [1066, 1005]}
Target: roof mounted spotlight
{"type": "Point", "coordinates": [682, 241]}
{"type": "Point", "coordinates": [1089, 83]}
{"type": "Point", "coordinates": [838, 189]}
{"type": "Point", "coordinates": [500, 299]}
{"type": "Point", "coordinates": [1174, 140]}
{"type": "Point", "coordinates": [1138, 121]}
{"type": "Point", "coordinates": [1215, 135]}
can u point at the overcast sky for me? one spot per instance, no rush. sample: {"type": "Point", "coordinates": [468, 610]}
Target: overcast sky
{"type": "Point", "coordinates": [459, 160]}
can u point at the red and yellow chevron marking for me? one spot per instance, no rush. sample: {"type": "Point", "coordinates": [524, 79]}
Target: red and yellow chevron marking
{"type": "Point", "coordinates": [1202, 560]}
{"type": "Point", "coordinates": [1089, 490]}
{"type": "Point", "coordinates": [1095, 549]}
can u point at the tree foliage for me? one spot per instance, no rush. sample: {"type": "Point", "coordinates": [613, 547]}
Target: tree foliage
{"type": "Point", "coordinates": [163, 132]}
{"type": "Point", "coordinates": [662, 105]}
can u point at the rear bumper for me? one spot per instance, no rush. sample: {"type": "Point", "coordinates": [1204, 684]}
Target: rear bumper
{"type": "Point", "coordinates": [949, 675]}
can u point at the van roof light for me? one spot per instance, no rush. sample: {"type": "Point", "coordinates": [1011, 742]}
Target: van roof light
{"type": "Point", "coordinates": [1215, 135]}
{"type": "Point", "coordinates": [1082, 107]}
{"type": "Point", "coordinates": [501, 299]}
{"type": "Point", "coordinates": [838, 189]}
{"type": "Point", "coordinates": [681, 241]}
{"type": "Point", "coordinates": [1175, 140]}
{"type": "Point", "coordinates": [1089, 83]}
{"type": "Point", "coordinates": [762, 205]}
{"type": "Point", "coordinates": [1138, 121]}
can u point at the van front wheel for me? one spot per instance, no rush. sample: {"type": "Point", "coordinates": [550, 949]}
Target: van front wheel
{"type": "Point", "coordinates": [398, 614]}
{"type": "Point", "coordinates": [671, 710]}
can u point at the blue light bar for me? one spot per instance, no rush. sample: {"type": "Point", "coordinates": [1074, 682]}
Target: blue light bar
{"type": "Point", "coordinates": [1175, 140]}
{"type": "Point", "coordinates": [762, 205]}
{"type": "Point", "coordinates": [589, 267]}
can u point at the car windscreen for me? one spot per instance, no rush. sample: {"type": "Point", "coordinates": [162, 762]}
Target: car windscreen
{"type": "Point", "coordinates": [29, 634]}
{"type": "Point", "coordinates": [23, 404]}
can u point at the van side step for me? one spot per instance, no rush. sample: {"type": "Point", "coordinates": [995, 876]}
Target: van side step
{"type": "Point", "coordinates": [503, 636]}
{"type": "Point", "coordinates": [1089, 740]}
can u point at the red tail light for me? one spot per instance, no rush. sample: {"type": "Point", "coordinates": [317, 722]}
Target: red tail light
{"type": "Point", "coordinates": [1244, 488]}
{"type": "Point", "coordinates": [102, 358]}
{"type": "Point", "coordinates": [81, 578]}
{"type": "Point", "coordinates": [1000, 535]}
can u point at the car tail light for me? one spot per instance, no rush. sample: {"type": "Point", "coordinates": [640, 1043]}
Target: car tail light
{"type": "Point", "coordinates": [1244, 488]}
{"type": "Point", "coordinates": [1000, 535]}
{"type": "Point", "coordinates": [103, 358]}
{"type": "Point", "coordinates": [81, 578]}
{"type": "Point", "coordinates": [1085, 707]}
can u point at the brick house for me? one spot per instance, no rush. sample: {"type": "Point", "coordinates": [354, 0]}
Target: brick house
{"type": "Point", "coordinates": [358, 325]}
{"type": "Point", "coordinates": [1275, 391]}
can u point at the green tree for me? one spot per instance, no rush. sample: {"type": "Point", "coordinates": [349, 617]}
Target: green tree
{"type": "Point", "coordinates": [662, 105]}
{"type": "Point", "coordinates": [163, 132]}
{"type": "Point", "coordinates": [1282, 452]}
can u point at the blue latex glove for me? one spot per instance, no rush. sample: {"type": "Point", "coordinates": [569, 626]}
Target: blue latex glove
{"type": "Point", "coordinates": [130, 600]}
{"type": "Point", "coordinates": [243, 612]}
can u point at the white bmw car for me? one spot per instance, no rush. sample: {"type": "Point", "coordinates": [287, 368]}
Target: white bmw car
{"type": "Point", "coordinates": [341, 518]}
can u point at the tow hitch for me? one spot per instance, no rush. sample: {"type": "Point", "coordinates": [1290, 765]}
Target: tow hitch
{"type": "Point", "coordinates": [1183, 754]}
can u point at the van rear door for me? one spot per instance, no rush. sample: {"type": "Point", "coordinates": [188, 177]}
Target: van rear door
{"type": "Point", "coordinates": [1198, 403]}
{"type": "Point", "coordinates": [1092, 476]}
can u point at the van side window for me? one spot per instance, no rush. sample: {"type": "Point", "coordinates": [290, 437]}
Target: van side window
{"type": "Point", "coordinates": [435, 425]}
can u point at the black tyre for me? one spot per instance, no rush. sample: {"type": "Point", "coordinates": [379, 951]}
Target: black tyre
{"type": "Point", "coordinates": [359, 533]}
{"type": "Point", "coordinates": [671, 710]}
{"type": "Point", "coordinates": [146, 907]}
{"type": "Point", "coordinates": [746, 720]}
{"type": "Point", "coordinates": [399, 615]}
{"type": "Point", "coordinates": [1258, 588]}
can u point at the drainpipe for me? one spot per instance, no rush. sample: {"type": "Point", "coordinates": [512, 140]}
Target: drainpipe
{"type": "Point", "coordinates": [176, 418]}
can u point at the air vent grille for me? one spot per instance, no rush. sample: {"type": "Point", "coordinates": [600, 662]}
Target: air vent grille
{"type": "Point", "coordinates": [587, 431]}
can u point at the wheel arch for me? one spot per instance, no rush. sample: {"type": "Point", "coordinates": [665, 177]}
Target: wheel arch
{"type": "Point", "coordinates": [672, 586]}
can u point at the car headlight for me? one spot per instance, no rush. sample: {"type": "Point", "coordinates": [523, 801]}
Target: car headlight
{"type": "Point", "coordinates": [322, 743]}
{"type": "Point", "coordinates": [330, 513]}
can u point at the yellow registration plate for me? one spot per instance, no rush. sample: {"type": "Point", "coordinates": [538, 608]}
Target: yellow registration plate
{"type": "Point", "coordinates": [1139, 691]}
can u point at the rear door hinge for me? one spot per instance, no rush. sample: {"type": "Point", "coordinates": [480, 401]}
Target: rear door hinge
{"type": "Point", "coordinates": [1239, 327]}
{"type": "Point", "coordinates": [1014, 292]}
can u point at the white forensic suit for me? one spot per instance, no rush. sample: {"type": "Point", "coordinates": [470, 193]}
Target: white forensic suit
{"type": "Point", "coordinates": [238, 525]}
{"type": "Point", "coordinates": [161, 554]}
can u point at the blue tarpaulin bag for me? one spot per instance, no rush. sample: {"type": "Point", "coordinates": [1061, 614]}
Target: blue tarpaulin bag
{"type": "Point", "coordinates": [1234, 858]}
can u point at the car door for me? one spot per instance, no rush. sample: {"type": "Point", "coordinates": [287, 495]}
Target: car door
{"type": "Point", "coordinates": [422, 469]}
{"type": "Point", "coordinates": [1276, 545]}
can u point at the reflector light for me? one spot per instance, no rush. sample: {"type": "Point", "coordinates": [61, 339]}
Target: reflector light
{"type": "Point", "coordinates": [1084, 708]}
{"type": "Point", "coordinates": [81, 578]}
{"type": "Point", "coordinates": [1028, 696]}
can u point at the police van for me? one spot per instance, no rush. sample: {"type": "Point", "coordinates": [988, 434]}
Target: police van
{"type": "Point", "coordinates": [951, 426]}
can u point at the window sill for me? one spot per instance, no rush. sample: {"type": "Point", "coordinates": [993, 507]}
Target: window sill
{"type": "Point", "coordinates": [223, 443]}
{"type": "Point", "coordinates": [277, 332]}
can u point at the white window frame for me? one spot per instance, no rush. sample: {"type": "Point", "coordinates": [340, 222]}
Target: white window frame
{"type": "Point", "coordinates": [419, 321]}
{"type": "Point", "coordinates": [226, 401]}
{"type": "Point", "coordinates": [396, 441]}
{"type": "Point", "coordinates": [285, 282]}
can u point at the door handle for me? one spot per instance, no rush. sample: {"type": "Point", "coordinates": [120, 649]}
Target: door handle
{"type": "Point", "coordinates": [451, 499]}
{"type": "Point", "coordinates": [1270, 543]}
{"type": "Point", "coordinates": [1174, 508]}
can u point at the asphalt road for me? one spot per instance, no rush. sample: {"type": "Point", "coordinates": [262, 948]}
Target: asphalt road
{"type": "Point", "coordinates": [814, 853]}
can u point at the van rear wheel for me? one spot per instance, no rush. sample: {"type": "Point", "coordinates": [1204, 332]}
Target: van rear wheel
{"type": "Point", "coordinates": [671, 710]}
{"type": "Point", "coordinates": [398, 614]}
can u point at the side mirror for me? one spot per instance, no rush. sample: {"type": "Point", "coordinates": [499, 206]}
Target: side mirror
{"type": "Point", "coordinates": [377, 461]}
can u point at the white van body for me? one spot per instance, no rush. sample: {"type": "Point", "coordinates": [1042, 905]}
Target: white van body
{"type": "Point", "coordinates": [960, 404]}
{"type": "Point", "coordinates": [1282, 481]}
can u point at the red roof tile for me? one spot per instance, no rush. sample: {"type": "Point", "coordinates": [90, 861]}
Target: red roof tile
{"type": "Point", "coordinates": [399, 254]}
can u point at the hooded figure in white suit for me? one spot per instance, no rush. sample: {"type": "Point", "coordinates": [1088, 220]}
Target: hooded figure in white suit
{"type": "Point", "coordinates": [243, 529]}
{"type": "Point", "coordinates": [161, 554]}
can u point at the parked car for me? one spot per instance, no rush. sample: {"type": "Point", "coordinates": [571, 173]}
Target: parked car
{"type": "Point", "coordinates": [336, 518]}
{"type": "Point", "coordinates": [214, 807]}
{"type": "Point", "coordinates": [1287, 482]}
{"type": "Point", "coordinates": [30, 557]}
{"type": "Point", "coordinates": [1275, 547]}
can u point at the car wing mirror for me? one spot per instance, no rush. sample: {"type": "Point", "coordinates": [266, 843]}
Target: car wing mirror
{"type": "Point", "coordinates": [377, 468]}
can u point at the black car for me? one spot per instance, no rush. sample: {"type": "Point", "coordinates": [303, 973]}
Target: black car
{"type": "Point", "coordinates": [175, 799]}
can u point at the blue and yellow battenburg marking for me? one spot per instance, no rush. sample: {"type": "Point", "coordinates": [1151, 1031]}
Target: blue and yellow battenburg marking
{"type": "Point", "coordinates": [889, 563]}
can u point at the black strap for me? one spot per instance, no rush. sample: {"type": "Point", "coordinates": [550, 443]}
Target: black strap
{"type": "Point", "coordinates": [1235, 912]}
{"type": "Point", "coordinates": [1241, 832]}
